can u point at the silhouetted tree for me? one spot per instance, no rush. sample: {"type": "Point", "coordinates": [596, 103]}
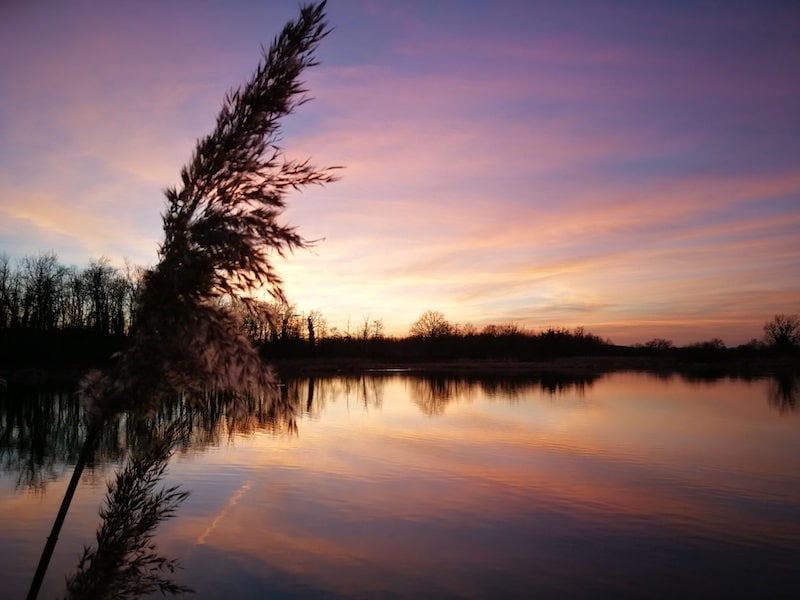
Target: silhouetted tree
{"type": "Point", "coordinates": [465, 329]}
{"type": "Point", "coordinates": [377, 329]}
{"type": "Point", "coordinates": [712, 350]}
{"type": "Point", "coordinates": [98, 279]}
{"type": "Point", "coordinates": [431, 324]}
{"type": "Point", "coordinates": [76, 299]}
{"type": "Point", "coordinates": [751, 348]}
{"type": "Point", "coordinates": [320, 324]}
{"type": "Point", "coordinates": [8, 293]}
{"type": "Point", "coordinates": [43, 278]}
{"type": "Point", "coordinates": [658, 344]}
{"type": "Point", "coordinates": [312, 338]}
{"type": "Point", "coordinates": [782, 333]}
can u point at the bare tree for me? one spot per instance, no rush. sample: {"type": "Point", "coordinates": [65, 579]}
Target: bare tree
{"type": "Point", "coordinates": [318, 324]}
{"type": "Point", "coordinates": [431, 324]}
{"type": "Point", "coordinates": [377, 329]}
{"type": "Point", "coordinates": [465, 329]}
{"type": "Point", "coordinates": [43, 278]}
{"type": "Point", "coordinates": [97, 280]}
{"type": "Point", "coordinates": [289, 326]}
{"type": "Point", "coordinates": [133, 276]}
{"type": "Point", "coordinates": [75, 300]}
{"type": "Point", "coordinates": [312, 336]}
{"type": "Point", "coordinates": [782, 332]}
{"type": "Point", "coordinates": [6, 292]}
{"type": "Point", "coordinates": [659, 344]}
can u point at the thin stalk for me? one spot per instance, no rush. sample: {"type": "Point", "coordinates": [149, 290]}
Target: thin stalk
{"type": "Point", "coordinates": [92, 435]}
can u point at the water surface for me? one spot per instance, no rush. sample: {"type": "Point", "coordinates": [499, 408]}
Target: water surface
{"type": "Point", "coordinates": [397, 485]}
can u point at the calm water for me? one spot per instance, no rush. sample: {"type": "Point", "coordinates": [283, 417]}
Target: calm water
{"type": "Point", "coordinates": [397, 486]}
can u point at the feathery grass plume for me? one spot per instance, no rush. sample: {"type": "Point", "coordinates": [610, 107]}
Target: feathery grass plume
{"type": "Point", "coordinates": [221, 234]}
{"type": "Point", "coordinates": [221, 230]}
{"type": "Point", "coordinates": [125, 563]}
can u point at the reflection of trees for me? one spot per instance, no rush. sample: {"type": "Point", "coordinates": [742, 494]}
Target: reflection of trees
{"type": "Point", "coordinates": [41, 432]}
{"type": "Point", "coordinates": [215, 417]}
{"type": "Point", "coordinates": [432, 393]}
{"type": "Point", "coordinates": [784, 392]}
{"type": "Point", "coordinates": [315, 393]}
{"type": "Point", "coordinates": [783, 389]}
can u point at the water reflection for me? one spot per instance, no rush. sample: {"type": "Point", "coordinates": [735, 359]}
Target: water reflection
{"type": "Point", "coordinates": [643, 488]}
{"type": "Point", "coordinates": [784, 392]}
{"type": "Point", "coordinates": [362, 390]}
{"type": "Point", "coordinates": [44, 432]}
{"type": "Point", "coordinates": [431, 392]}
{"type": "Point", "coordinates": [434, 392]}
{"type": "Point", "coordinates": [41, 431]}
{"type": "Point", "coordinates": [620, 469]}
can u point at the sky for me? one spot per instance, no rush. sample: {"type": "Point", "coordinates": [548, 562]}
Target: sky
{"type": "Point", "coordinates": [629, 167]}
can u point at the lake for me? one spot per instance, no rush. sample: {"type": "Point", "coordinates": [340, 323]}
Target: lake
{"type": "Point", "coordinates": [401, 485]}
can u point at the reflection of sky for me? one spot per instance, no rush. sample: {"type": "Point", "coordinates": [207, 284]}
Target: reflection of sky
{"type": "Point", "coordinates": [370, 494]}
{"type": "Point", "coordinates": [27, 518]}
{"type": "Point", "coordinates": [471, 488]}
{"type": "Point", "coordinates": [627, 167]}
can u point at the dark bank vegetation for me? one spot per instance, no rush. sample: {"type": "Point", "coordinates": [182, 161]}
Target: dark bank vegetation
{"type": "Point", "coordinates": [58, 316]}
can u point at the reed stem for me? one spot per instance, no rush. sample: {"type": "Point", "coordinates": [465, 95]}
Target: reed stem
{"type": "Point", "coordinates": [92, 435]}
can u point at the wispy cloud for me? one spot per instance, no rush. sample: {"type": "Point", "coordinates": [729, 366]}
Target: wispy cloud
{"type": "Point", "coordinates": [535, 164]}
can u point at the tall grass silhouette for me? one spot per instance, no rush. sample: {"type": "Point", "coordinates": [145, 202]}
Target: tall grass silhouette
{"type": "Point", "coordinates": [124, 562]}
{"type": "Point", "coordinates": [222, 233]}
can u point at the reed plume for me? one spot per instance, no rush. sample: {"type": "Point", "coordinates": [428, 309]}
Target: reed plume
{"type": "Point", "coordinates": [125, 563]}
{"type": "Point", "coordinates": [222, 232]}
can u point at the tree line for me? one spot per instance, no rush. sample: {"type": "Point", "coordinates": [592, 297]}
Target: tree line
{"type": "Point", "coordinates": [41, 294]}
{"type": "Point", "coordinates": [52, 314]}
{"type": "Point", "coordinates": [65, 314]}
{"type": "Point", "coordinates": [433, 336]}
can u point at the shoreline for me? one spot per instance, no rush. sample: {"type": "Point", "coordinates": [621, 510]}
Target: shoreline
{"type": "Point", "coordinates": [567, 366]}
{"type": "Point", "coordinates": [573, 365]}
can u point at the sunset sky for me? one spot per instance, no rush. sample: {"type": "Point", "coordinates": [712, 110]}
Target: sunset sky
{"type": "Point", "coordinates": [629, 167]}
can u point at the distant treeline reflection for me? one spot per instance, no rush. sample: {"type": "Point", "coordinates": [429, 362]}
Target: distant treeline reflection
{"type": "Point", "coordinates": [430, 391]}
{"type": "Point", "coordinates": [784, 392]}
{"type": "Point", "coordinates": [41, 430]}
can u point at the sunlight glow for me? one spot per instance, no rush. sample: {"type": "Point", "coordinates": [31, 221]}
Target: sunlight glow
{"type": "Point", "coordinates": [531, 168]}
